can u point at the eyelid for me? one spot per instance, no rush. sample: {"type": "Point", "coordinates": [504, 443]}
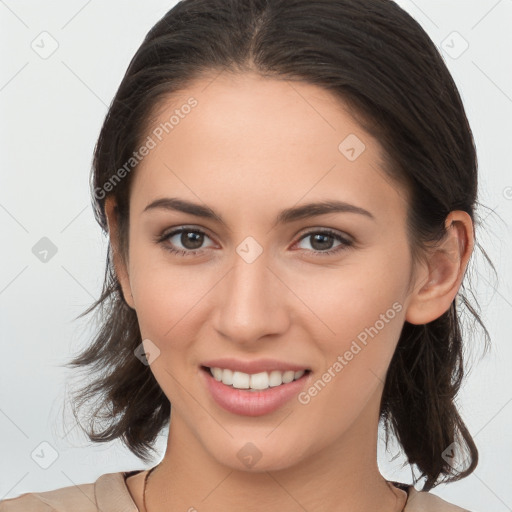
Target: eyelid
{"type": "Point", "coordinates": [346, 242]}
{"type": "Point", "coordinates": [176, 230]}
{"type": "Point", "coordinates": [331, 231]}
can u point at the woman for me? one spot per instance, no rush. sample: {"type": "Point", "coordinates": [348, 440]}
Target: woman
{"type": "Point", "coordinates": [289, 189]}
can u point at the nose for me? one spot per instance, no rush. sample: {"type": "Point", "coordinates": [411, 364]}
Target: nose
{"type": "Point", "coordinates": [252, 303]}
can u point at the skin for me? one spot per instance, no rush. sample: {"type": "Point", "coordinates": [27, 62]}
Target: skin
{"type": "Point", "coordinates": [250, 148]}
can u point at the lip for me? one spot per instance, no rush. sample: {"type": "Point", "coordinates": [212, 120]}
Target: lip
{"type": "Point", "coordinates": [252, 367]}
{"type": "Point", "coordinates": [252, 403]}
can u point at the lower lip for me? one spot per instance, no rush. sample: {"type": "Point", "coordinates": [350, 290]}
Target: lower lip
{"type": "Point", "coordinates": [252, 403]}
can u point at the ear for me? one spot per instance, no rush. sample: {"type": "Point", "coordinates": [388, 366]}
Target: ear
{"type": "Point", "coordinates": [440, 277]}
{"type": "Point", "coordinates": [120, 266]}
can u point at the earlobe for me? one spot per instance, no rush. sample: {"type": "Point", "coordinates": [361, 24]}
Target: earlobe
{"type": "Point", "coordinates": [118, 260]}
{"type": "Point", "coordinates": [438, 284]}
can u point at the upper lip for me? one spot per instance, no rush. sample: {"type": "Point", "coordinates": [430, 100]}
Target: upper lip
{"type": "Point", "coordinates": [252, 367]}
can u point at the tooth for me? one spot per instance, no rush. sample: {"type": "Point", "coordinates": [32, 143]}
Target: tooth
{"type": "Point", "coordinates": [288, 376]}
{"type": "Point", "coordinates": [227, 377]}
{"type": "Point", "coordinates": [275, 378]}
{"type": "Point", "coordinates": [217, 373]}
{"type": "Point", "coordinates": [259, 380]}
{"type": "Point", "coordinates": [241, 380]}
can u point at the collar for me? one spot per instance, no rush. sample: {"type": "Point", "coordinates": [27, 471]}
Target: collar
{"type": "Point", "coordinates": [112, 494]}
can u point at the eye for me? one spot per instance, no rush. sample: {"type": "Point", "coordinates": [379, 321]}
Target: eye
{"type": "Point", "coordinates": [190, 238]}
{"type": "Point", "coordinates": [321, 241]}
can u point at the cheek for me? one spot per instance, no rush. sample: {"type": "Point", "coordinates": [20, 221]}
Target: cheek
{"type": "Point", "coordinates": [167, 296]}
{"type": "Point", "coordinates": [358, 316]}
{"type": "Point", "coordinates": [362, 316]}
{"type": "Point", "coordinates": [351, 297]}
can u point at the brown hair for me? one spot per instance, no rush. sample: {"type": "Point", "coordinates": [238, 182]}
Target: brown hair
{"type": "Point", "coordinates": [377, 59]}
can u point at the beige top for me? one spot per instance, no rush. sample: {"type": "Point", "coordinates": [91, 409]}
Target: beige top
{"type": "Point", "coordinates": [110, 493]}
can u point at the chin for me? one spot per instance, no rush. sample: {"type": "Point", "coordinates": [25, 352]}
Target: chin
{"type": "Point", "coordinates": [257, 456]}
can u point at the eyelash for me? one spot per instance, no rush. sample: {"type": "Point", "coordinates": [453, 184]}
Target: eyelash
{"type": "Point", "coordinates": [345, 242]}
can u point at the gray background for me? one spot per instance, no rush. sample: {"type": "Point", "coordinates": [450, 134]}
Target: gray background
{"type": "Point", "coordinates": [52, 106]}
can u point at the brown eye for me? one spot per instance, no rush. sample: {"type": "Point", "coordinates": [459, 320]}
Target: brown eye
{"type": "Point", "coordinates": [321, 242]}
{"type": "Point", "coordinates": [191, 239]}
{"type": "Point", "coordinates": [184, 241]}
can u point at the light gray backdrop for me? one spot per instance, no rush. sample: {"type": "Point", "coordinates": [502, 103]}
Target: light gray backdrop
{"type": "Point", "coordinates": [62, 62]}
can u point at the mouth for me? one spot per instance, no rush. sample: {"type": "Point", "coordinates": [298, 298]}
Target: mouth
{"type": "Point", "coordinates": [240, 399]}
{"type": "Point", "coordinates": [261, 381]}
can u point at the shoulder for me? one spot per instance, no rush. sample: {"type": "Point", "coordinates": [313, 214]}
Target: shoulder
{"type": "Point", "coordinates": [420, 501]}
{"type": "Point", "coordinates": [108, 493]}
{"type": "Point", "coordinates": [80, 497]}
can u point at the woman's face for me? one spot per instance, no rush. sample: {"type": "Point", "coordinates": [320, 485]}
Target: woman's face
{"type": "Point", "coordinates": [260, 284]}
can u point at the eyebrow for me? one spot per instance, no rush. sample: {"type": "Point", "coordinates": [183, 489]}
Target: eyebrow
{"type": "Point", "coordinates": [285, 216]}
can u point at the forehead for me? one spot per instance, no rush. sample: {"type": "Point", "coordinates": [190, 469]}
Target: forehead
{"type": "Point", "coordinates": [239, 140]}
